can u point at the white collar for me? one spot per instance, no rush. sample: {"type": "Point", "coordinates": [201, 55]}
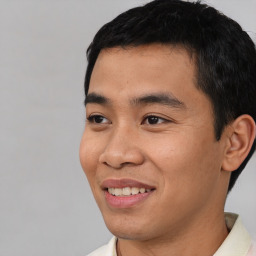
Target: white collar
{"type": "Point", "coordinates": [237, 243]}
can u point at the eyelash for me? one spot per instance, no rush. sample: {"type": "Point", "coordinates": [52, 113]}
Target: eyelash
{"type": "Point", "coordinates": [155, 117]}
{"type": "Point", "coordinates": [92, 119]}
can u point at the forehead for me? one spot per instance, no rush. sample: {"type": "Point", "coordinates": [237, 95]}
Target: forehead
{"type": "Point", "coordinates": [157, 58]}
{"type": "Point", "coordinates": [128, 72]}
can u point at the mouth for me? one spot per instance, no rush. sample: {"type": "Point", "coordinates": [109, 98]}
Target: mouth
{"type": "Point", "coordinates": [125, 193]}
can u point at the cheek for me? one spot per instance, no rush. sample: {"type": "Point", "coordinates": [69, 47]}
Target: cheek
{"type": "Point", "coordinates": [188, 177]}
{"type": "Point", "coordinates": [186, 162]}
{"type": "Point", "coordinates": [89, 155]}
{"type": "Point", "coordinates": [90, 150]}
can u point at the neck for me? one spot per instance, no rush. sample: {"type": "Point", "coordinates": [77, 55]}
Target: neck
{"type": "Point", "coordinates": [203, 237]}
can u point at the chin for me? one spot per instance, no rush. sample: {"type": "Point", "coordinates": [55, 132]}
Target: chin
{"type": "Point", "coordinates": [130, 235]}
{"type": "Point", "coordinates": [128, 229]}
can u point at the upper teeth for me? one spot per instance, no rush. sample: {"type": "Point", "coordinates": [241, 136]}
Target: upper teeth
{"type": "Point", "coordinates": [127, 191]}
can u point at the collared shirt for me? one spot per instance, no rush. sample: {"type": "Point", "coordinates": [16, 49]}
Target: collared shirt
{"type": "Point", "coordinates": [237, 243]}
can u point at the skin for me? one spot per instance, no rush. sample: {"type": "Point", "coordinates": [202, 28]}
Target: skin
{"type": "Point", "coordinates": [177, 154]}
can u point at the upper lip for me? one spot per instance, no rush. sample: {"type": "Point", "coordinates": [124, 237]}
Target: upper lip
{"type": "Point", "coordinates": [122, 183]}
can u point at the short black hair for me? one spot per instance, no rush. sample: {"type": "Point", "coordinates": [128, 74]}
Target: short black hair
{"type": "Point", "coordinates": [225, 55]}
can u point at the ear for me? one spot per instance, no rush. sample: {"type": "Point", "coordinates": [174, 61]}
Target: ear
{"type": "Point", "coordinates": [240, 137]}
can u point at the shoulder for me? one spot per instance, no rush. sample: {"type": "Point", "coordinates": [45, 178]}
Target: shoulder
{"type": "Point", "coordinates": [252, 251]}
{"type": "Point", "coordinates": [99, 252]}
{"type": "Point", "coordinates": [238, 242]}
{"type": "Point", "coordinates": [106, 250]}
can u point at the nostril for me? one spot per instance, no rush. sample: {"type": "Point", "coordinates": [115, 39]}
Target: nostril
{"type": "Point", "coordinates": [119, 165]}
{"type": "Point", "coordinates": [117, 157]}
{"type": "Point", "coordinates": [113, 165]}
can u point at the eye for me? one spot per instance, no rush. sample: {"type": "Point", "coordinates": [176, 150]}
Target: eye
{"type": "Point", "coordinates": [154, 120]}
{"type": "Point", "coordinates": [98, 119]}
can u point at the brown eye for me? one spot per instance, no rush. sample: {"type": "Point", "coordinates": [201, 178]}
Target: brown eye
{"type": "Point", "coordinates": [154, 120]}
{"type": "Point", "coordinates": [97, 119]}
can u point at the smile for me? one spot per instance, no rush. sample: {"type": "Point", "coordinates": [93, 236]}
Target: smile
{"type": "Point", "coordinates": [127, 191]}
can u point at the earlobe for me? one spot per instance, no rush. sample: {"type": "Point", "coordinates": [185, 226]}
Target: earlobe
{"type": "Point", "coordinates": [241, 135]}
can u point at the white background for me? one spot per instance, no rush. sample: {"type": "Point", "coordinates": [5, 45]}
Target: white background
{"type": "Point", "coordinates": [46, 207]}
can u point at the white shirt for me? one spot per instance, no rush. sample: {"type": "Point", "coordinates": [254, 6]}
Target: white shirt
{"type": "Point", "coordinates": [237, 243]}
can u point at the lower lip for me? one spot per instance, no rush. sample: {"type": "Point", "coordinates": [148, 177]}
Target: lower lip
{"type": "Point", "coordinates": [126, 201]}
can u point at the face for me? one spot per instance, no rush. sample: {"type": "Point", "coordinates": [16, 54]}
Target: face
{"type": "Point", "coordinates": [148, 149]}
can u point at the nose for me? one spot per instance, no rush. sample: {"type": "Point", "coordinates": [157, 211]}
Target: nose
{"type": "Point", "coordinates": [122, 149]}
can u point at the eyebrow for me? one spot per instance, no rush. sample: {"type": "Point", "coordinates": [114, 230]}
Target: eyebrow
{"type": "Point", "coordinates": [96, 98]}
{"type": "Point", "coordinates": [157, 98]}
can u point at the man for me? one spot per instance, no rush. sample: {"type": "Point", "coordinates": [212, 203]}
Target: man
{"type": "Point", "coordinates": [170, 106]}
